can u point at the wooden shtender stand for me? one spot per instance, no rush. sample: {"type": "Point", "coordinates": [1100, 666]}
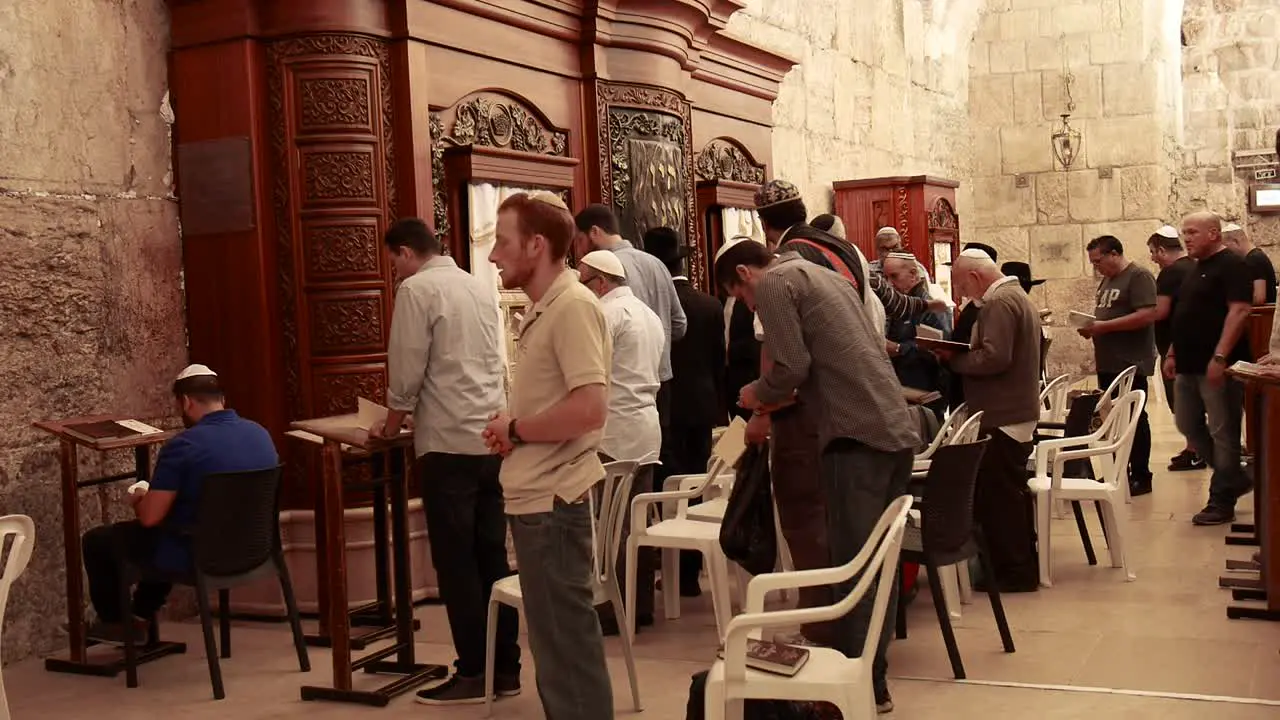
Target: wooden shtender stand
{"type": "Point", "coordinates": [341, 436]}
{"type": "Point", "coordinates": [1260, 582]}
{"type": "Point", "coordinates": [101, 434]}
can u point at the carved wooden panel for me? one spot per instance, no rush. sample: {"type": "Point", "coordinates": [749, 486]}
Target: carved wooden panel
{"type": "Point", "coordinates": [346, 322]}
{"type": "Point", "coordinates": [338, 176]}
{"type": "Point", "coordinates": [336, 387]}
{"type": "Point", "coordinates": [335, 101]}
{"type": "Point", "coordinates": [646, 163]}
{"type": "Point", "coordinates": [725, 159]}
{"type": "Point", "coordinates": [338, 87]}
{"type": "Point", "coordinates": [488, 118]}
{"type": "Point", "coordinates": [342, 250]}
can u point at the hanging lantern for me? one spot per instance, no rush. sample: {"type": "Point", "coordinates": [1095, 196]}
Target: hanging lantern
{"type": "Point", "coordinates": [1066, 142]}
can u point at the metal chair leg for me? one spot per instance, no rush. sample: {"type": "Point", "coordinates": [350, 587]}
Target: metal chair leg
{"type": "Point", "coordinates": [944, 618]}
{"type": "Point", "coordinates": [210, 647]}
{"type": "Point", "coordinates": [224, 621]}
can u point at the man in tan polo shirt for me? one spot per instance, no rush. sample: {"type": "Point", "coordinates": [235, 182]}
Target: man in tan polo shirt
{"type": "Point", "coordinates": [550, 437]}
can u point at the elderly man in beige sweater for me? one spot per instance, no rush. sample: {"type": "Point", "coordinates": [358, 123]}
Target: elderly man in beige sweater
{"type": "Point", "coordinates": [1001, 375]}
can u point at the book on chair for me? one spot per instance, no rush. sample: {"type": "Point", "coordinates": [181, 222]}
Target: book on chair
{"type": "Point", "coordinates": [772, 657]}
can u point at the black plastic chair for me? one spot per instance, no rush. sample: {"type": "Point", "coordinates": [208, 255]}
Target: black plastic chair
{"type": "Point", "coordinates": [949, 534]}
{"type": "Point", "coordinates": [235, 541]}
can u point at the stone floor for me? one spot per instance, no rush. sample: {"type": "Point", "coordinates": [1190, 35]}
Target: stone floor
{"type": "Point", "coordinates": [1093, 646]}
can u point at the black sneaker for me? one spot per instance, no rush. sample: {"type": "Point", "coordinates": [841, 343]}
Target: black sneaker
{"type": "Point", "coordinates": [884, 703]}
{"type": "Point", "coordinates": [457, 690]}
{"type": "Point", "coordinates": [1214, 515]}
{"type": "Point", "coordinates": [1186, 460]}
{"type": "Point", "coordinates": [506, 685]}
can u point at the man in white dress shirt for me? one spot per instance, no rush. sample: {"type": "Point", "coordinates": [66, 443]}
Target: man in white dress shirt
{"type": "Point", "coordinates": [632, 430]}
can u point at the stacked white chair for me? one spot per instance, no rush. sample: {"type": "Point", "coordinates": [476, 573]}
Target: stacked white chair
{"type": "Point", "coordinates": [1109, 445]}
{"type": "Point", "coordinates": [606, 534]}
{"type": "Point", "coordinates": [1053, 399]}
{"type": "Point", "coordinates": [23, 532]}
{"type": "Point", "coordinates": [920, 465]}
{"type": "Point", "coordinates": [682, 533]}
{"type": "Point", "coordinates": [828, 676]}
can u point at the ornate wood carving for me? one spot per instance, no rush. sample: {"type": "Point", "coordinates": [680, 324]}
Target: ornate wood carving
{"type": "Point", "coordinates": [327, 97]}
{"type": "Point", "coordinates": [347, 323]}
{"type": "Point", "coordinates": [725, 159]}
{"type": "Point", "coordinates": [344, 249]}
{"type": "Point", "coordinates": [333, 101]}
{"type": "Point", "coordinates": [336, 392]}
{"type": "Point", "coordinates": [646, 162]}
{"type": "Point", "coordinates": [341, 176]}
{"type": "Point", "coordinates": [904, 217]}
{"type": "Point", "coordinates": [489, 118]}
{"type": "Point", "coordinates": [942, 216]}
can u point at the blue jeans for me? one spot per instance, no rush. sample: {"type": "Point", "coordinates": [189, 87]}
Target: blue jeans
{"type": "Point", "coordinates": [1210, 419]}
{"type": "Point", "coordinates": [860, 482]}
{"type": "Point", "coordinates": [553, 557]}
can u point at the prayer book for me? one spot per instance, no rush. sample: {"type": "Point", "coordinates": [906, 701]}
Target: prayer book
{"type": "Point", "coordinates": [1254, 370]}
{"type": "Point", "coordinates": [772, 657]}
{"type": "Point", "coordinates": [1080, 320]}
{"type": "Point", "coordinates": [369, 413]}
{"type": "Point", "coordinates": [928, 331]}
{"type": "Point", "coordinates": [952, 345]}
{"type": "Point", "coordinates": [113, 429]}
{"type": "Point", "coordinates": [916, 396]}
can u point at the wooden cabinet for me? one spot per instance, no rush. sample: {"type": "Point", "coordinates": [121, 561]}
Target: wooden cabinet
{"type": "Point", "coordinates": [920, 207]}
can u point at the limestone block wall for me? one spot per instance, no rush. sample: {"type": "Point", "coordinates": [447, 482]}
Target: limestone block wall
{"type": "Point", "coordinates": [1231, 84]}
{"type": "Point", "coordinates": [1122, 57]}
{"type": "Point", "coordinates": [881, 88]}
{"type": "Point", "coordinates": [91, 311]}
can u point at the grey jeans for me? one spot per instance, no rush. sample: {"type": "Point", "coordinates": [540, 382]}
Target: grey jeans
{"type": "Point", "coordinates": [860, 482]}
{"type": "Point", "coordinates": [1210, 418]}
{"type": "Point", "coordinates": [553, 557]}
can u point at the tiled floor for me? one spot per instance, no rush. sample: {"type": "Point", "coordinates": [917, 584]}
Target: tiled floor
{"type": "Point", "coordinates": [1166, 633]}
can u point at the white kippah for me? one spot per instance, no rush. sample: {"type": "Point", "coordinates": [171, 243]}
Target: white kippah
{"type": "Point", "coordinates": [733, 241]}
{"type": "Point", "coordinates": [975, 254]}
{"type": "Point", "coordinates": [886, 230]}
{"type": "Point", "coordinates": [1231, 227]}
{"type": "Point", "coordinates": [196, 371]}
{"type": "Point", "coordinates": [902, 256]}
{"type": "Point", "coordinates": [1168, 231]}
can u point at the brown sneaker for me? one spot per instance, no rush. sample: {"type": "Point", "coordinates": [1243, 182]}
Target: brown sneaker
{"type": "Point", "coordinates": [506, 685]}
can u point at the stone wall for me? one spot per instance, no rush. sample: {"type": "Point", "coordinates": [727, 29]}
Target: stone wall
{"type": "Point", "coordinates": [881, 88]}
{"type": "Point", "coordinates": [1120, 57]}
{"type": "Point", "coordinates": [91, 304]}
{"type": "Point", "coordinates": [1231, 85]}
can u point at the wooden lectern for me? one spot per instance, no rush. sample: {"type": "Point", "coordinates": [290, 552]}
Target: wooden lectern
{"type": "Point", "coordinates": [1258, 331]}
{"type": "Point", "coordinates": [1264, 392]}
{"type": "Point", "coordinates": [340, 436]}
{"type": "Point", "coordinates": [101, 434]}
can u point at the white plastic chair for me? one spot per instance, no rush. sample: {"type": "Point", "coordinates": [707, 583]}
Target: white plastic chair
{"type": "Point", "coordinates": [23, 532]}
{"type": "Point", "coordinates": [1116, 390]}
{"type": "Point", "coordinates": [957, 417]}
{"type": "Point", "coordinates": [681, 533]}
{"type": "Point", "coordinates": [828, 676]}
{"type": "Point", "coordinates": [1053, 399]}
{"type": "Point", "coordinates": [1110, 444]}
{"type": "Point", "coordinates": [606, 533]}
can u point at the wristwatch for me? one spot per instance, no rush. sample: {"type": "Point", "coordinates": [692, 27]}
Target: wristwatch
{"type": "Point", "coordinates": [1220, 358]}
{"type": "Point", "coordinates": [512, 435]}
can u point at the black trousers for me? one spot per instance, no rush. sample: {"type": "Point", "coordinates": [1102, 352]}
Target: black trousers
{"type": "Point", "coordinates": [1003, 506]}
{"type": "Point", "coordinates": [1140, 456]}
{"type": "Point", "coordinates": [686, 451]}
{"type": "Point", "coordinates": [467, 528]}
{"type": "Point", "coordinates": [105, 549]}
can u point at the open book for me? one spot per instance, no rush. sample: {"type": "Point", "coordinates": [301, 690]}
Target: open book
{"type": "Point", "coordinates": [1080, 320]}
{"type": "Point", "coordinates": [932, 344]}
{"type": "Point", "coordinates": [929, 332]}
{"type": "Point", "coordinates": [113, 429]}
{"type": "Point", "coordinates": [1254, 370]}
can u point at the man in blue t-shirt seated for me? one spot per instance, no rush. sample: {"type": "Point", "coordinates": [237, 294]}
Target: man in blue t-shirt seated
{"type": "Point", "coordinates": [216, 440]}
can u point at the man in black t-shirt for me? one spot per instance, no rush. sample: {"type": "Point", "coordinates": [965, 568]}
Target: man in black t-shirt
{"type": "Point", "coordinates": [1208, 335]}
{"type": "Point", "coordinates": [1168, 255]}
{"type": "Point", "coordinates": [1261, 270]}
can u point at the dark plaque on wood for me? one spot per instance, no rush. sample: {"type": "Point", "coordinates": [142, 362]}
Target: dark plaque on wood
{"type": "Point", "coordinates": [215, 182]}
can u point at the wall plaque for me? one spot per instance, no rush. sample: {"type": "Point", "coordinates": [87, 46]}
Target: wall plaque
{"type": "Point", "coordinates": [215, 186]}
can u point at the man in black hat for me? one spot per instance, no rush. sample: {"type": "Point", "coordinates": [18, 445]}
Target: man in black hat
{"type": "Point", "coordinates": [697, 383]}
